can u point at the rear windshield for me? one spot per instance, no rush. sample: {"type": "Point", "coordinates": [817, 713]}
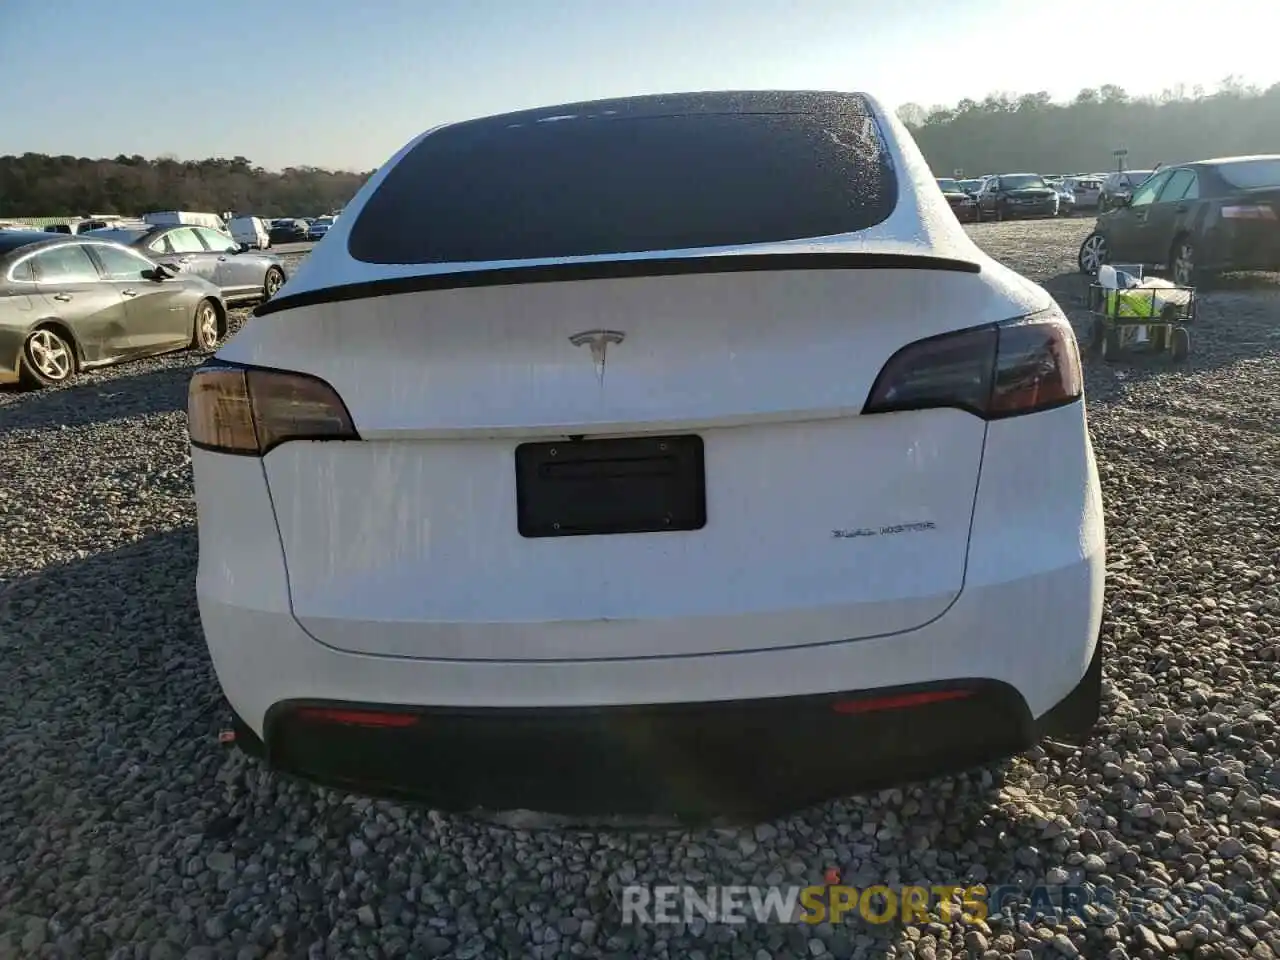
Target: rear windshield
{"type": "Point", "coordinates": [948, 186]}
{"type": "Point", "coordinates": [1247, 174]}
{"type": "Point", "coordinates": [529, 186]}
{"type": "Point", "coordinates": [1021, 181]}
{"type": "Point", "coordinates": [117, 235]}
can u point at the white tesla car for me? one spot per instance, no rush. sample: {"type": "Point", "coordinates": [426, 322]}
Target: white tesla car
{"type": "Point", "coordinates": [676, 454]}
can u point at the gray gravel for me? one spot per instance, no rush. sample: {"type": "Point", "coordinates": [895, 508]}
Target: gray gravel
{"type": "Point", "coordinates": [127, 831]}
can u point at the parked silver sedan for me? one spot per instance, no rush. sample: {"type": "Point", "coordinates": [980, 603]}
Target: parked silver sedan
{"type": "Point", "coordinates": [240, 273]}
{"type": "Point", "coordinates": [1086, 190]}
{"type": "Point", "coordinates": [69, 303]}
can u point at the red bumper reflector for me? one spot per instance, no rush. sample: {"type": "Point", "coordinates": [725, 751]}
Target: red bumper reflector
{"type": "Point", "coordinates": [356, 718]}
{"type": "Point", "coordinates": [899, 701]}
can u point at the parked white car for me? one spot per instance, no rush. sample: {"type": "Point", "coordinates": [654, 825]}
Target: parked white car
{"type": "Point", "coordinates": [251, 231]}
{"type": "Point", "coordinates": [188, 217]}
{"type": "Point", "coordinates": [77, 227]}
{"type": "Point", "coordinates": [766, 487]}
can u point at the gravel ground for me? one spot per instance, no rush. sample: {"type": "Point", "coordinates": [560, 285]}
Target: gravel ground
{"type": "Point", "coordinates": [127, 831]}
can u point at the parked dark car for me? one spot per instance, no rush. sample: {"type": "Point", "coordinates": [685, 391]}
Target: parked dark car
{"type": "Point", "coordinates": [70, 303]}
{"type": "Point", "coordinates": [240, 273]}
{"type": "Point", "coordinates": [1196, 220]}
{"type": "Point", "coordinates": [1118, 187]}
{"type": "Point", "coordinates": [1009, 195]}
{"type": "Point", "coordinates": [319, 228]}
{"type": "Point", "coordinates": [289, 231]}
{"type": "Point", "coordinates": [962, 204]}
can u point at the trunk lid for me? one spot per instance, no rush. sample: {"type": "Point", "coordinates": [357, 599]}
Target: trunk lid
{"type": "Point", "coordinates": [822, 524]}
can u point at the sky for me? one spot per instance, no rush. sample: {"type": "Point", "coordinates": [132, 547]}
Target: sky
{"type": "Point", "coordinates": [345, 83]}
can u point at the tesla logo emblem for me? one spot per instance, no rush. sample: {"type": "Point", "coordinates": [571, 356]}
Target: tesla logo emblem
{"type": "Point", "coordinates": [598, 341]}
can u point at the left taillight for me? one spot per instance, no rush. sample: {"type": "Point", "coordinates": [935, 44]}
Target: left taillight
{"type": "Point", "coordinates": [250, 411]}
{"type": "Point", "coordinates": [995, 371]}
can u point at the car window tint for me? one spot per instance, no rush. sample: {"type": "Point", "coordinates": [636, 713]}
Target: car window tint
{"type": "Point", "coordinates": [119, 264]}
{"type": "Point", "coordinates": [1146, 193]}
{"type": "Point", "coordinates": [1248, 174]}
{"type": "Point", "coordinates": [23, 271]}
{"type": "Point", "coordinates": [217, 242]}
{"type": "Point", "coordinates": [66, 264]}
{"type": "Point", "coordinates": [628, 176]}
{"type": "Point", "coordinates": [1177, 185]}
{"type": "Point", "coordinates": [160, 245]}
{"type": "Point", "coordinates": [185, 240]}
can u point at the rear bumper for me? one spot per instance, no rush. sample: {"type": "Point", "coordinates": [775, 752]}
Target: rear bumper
{"type": "Point", "coordinates": [744, 758]}
{"type": "Point", "coordinates": [737, 735]}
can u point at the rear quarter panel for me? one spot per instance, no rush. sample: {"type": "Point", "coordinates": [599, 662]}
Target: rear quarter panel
{"type": "Point", "coordinates": [17, 312]}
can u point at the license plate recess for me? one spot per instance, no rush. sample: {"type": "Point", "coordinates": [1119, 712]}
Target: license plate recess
{"type": "Point", "coordinates": [600, 487]}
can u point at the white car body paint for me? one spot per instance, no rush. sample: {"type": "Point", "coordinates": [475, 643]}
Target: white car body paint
{"type": "Point", "coordinates": [390, 570]}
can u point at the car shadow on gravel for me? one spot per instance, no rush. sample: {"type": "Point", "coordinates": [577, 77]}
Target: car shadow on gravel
{"type": "Point", "coordinates": [93, 401]}
{"type": "Point", "coordinates": [109, 712]}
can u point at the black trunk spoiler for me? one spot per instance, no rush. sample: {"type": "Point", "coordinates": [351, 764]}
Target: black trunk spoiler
{"type": "Point", "coordinates": [615, 269]}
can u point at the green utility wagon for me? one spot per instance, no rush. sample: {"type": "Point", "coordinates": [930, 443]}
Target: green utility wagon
{"type": "Point", "coordinates": [1146, 319]}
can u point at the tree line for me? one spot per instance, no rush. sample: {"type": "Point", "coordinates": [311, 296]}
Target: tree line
{"type": "Point", "coordinates": [1002, 132]}
{"type": "Point", "coordinates": [1031, 133]}
{"type": "Point", "coordinates": [38, 185]}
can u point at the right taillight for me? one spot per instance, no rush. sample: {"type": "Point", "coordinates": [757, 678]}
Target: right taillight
{"type": "Point", "coordinates": [249, 411]}
{"type": "Point", "coordinates": [1249, 211]}
{"type": "Point", "coordinates": [1000, 370]}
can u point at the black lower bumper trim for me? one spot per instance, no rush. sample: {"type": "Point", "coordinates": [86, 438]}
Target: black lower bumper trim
{"type": "Point", "coordinates": [1075, 715]}
{"type": "Point", "coordinates": [750, 759]}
